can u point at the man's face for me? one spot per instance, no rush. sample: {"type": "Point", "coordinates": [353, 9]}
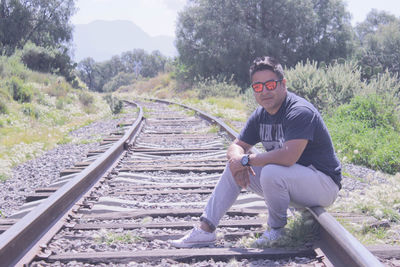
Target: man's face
{"type": "Point", "coordinates": [271, 100]}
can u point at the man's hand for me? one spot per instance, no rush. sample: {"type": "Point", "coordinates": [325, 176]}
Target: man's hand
{"type": "Point", "coordinates": [240, 173]}
{"type": "Point", "coordinates": [242, 178]}
{"type": "Point", "coordinates": [235, 154]}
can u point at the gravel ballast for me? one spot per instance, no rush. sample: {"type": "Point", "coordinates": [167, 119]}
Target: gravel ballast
{"type": "Point", "coordinates": [43, 170]}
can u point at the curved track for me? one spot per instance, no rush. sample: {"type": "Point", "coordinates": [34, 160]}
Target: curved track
{"type": "Point", "coordinates": [148, 185]}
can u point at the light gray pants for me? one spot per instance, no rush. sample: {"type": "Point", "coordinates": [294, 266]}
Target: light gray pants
{"type": "Point", "coordinates": [280, 186]}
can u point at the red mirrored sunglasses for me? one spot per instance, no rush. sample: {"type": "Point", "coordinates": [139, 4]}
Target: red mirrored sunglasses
{"type": "Point", "coordinates": [270, 85]}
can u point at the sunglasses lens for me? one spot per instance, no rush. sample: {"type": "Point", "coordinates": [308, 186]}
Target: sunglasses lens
{"type": "Point", "coordinates": [257, 87]}
{"type": "Point", "coordinates": [271, 85]}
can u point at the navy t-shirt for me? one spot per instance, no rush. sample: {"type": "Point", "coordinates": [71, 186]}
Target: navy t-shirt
{"type": "Point", "coordinates": [295, 119]}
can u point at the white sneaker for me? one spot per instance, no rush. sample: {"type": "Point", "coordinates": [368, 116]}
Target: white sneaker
{"type": "Point", "coordinates": [195, 238]}
{"type": "Point", "coordinates": [270, 235]}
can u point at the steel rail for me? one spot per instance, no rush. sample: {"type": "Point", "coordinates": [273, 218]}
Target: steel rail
{"type": "Point", "coordinates": [23, 236]}
{"type": "Point", "coordinates": [336, 240]}
{"type": "Point", "coordinates": [338, 245]}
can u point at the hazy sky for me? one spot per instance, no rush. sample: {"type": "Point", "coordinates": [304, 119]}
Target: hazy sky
{"type": "Point", "coordinates": [158, 17]}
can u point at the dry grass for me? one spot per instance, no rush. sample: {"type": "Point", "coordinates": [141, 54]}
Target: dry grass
{"type": "Point", "coordinates": [380, 200]}
{"type": "Point", "coordinates": [27, 134]}
{"type": "Point", "coordinates": [161, 86]}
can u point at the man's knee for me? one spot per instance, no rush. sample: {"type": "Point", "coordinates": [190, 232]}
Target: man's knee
{"type": "Point", "coordinates": [272, 176]}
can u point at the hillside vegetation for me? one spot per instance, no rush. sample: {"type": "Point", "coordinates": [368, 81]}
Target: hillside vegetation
{"type": "Point", "coordinates": [37, 111]}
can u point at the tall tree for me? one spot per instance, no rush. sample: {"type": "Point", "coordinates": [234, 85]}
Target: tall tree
{"type": "Point", "coordinates": [87, 72]}
{"type": "Point", "coordinates": [106, 75]}
{"type": "Point", "coordinates": [372, 22]}
{"type": "Point", "coordinates": [221, 37]}
{"type": "Point", "coordinates": [379, 41]}
{"type": "Point", "coordinates": [43, 22]}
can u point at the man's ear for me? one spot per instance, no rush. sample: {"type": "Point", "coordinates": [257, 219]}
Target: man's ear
{"type": "Point", "coordinates": [284, 82]}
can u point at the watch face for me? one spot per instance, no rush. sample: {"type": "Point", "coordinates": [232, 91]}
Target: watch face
{"type": "Point", "coordinates": [245, 160]}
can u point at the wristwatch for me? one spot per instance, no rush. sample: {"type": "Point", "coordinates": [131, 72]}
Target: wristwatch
{"type": "Point", "coordinates": [245, 160]}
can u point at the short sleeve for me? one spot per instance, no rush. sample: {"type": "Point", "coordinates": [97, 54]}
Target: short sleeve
{"type": "Point", "coordinates": [250, 132]}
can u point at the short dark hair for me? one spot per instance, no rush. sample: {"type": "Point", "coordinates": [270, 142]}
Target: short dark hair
{"type": "Point", "coordinates": [267, 63]}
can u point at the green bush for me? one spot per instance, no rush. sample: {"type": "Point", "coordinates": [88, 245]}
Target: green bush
{"type": "Point", "coordinates": [214, 87]}
{"type": "Point", "coordinates": [12, 66]}
{"type": "Point", "coordinates": [86, 99]}
{"type": "Point", "coordinates": [121, 79]}
{"type": "Point", "coordinates": [344, 81]}
{"type": "Point", "coordinates": [115, 104]}
{"type": "Point", "coordinates": [3, 107]}
{"type": "Point", "coordinates": [118, 105]}
{"type": "Point", "coordinates": [326, 87]}
{"type": "Point", "coordinates": [385, 85]}
{"type": "Point", "coordinates": [367, 132]}
{"type": "Point", "coordinates": [4, 98]}
{"type": "Point", "coordinates": [60, 103]}
{"type": "Point", "coordinates": [372, 110]}
{"type": "Point", "coordinates": [181, 73]}
{"type": "Point", "coordinates": [308, 81]}
{"type": "Point", "coordinates": [48, 60]}
{"type": "Point", "coordinates": [19, 91]}
{"type": "Point", "coordinates": [38, 58]}
{"type": "Point", "coordinates": [41, 99]}
{"type": "Point", "coordinates": [250, 100]}
{"type": "Point", "coordinates": [2, 68]}
{"type": "Point", "coordinates": [60, 88]}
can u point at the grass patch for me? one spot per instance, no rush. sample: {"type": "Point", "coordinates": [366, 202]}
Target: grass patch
{"type": "Point", "coordinates": [379, 207]}
{"type": "Point", "coordinates": [160, 86]}
{"type": "Point", "coordinates": [300, 230]}
{"type": "Point", "coordinates": [113, 238]}
{"type": "Point", "coordinates": [30, 110]}
{"type": "Point", "coordinates": [225, 108]}
{"type": "Point", "coordinates": [147, 219]}
{"type": "Point", "coordinates": [3, 177]}
{"type": "Point", "coordinates": [368, 235]}
{"type": "Point", "coordinates": [226, 103]}
{"type": "Point", "coordinates": [216, 87]}
{"type": "Point", "coordinates": [29, 129]}
{"type": "Point", "coordinates": [176, 107]}
{"type": "Point", "coordinates": [381, 200]}
{"type": "Point", "coordinates": [3, 107]}
{"type": "Point", "coordinates": [367, 132]}
{"type": "Point", "coordinates": [213, 129]}
{"type": "Point", "coordinates": [146, 112]}
{"type": "Point", "coordinates": [65, 140]}
{"type": "Point", "coordinates": [191, 113]}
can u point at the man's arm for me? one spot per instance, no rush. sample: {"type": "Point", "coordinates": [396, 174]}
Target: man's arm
{"type": "Point", "coordinates": [288, 155]}
{"type": "Point", "coordinates": [235, 153]}
{"type": "Point", "coordinates": [237, 149]}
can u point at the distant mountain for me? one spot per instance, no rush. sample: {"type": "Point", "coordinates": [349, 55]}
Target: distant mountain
{"type": "Point", "coordinates": [103, 39]}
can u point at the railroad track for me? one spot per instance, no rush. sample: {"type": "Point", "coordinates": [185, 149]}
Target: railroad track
{"type": "Point", "coordinates": [146, 185]}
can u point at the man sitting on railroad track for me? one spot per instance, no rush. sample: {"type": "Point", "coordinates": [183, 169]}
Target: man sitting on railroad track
{"type": "Point", "coordinates": [299, 166]}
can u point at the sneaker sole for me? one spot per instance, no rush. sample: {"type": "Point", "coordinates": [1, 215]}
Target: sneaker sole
{"type": "Point", "coordinates": [194, 245]}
